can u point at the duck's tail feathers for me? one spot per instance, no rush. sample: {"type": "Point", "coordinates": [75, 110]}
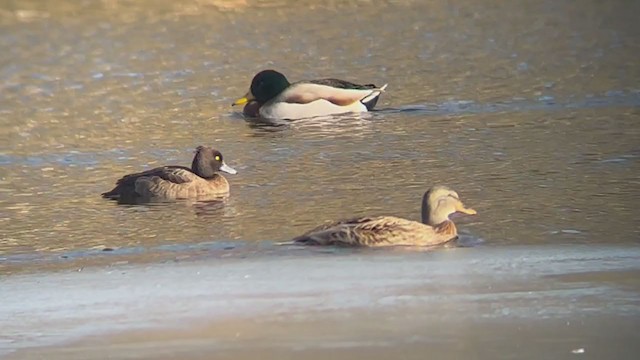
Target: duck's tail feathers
{"type": "Point", "coordinates": [299, 240]}
{"type": "Point", "coordinates": [110, 195]}
{"type": "Point", "coordinates": [371, 100]}
{"type": "Point", "coordinates": [283, 243]}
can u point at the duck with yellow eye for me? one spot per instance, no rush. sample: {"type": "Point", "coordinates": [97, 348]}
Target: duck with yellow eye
{"type": "Point", "coordinates": [438, 203]}
{"type": "Point", "coordinates": [200, 182]}
{"type": "Point", "coordinates": [272, 96]}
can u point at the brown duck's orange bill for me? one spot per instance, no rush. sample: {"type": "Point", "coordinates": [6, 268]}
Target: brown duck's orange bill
{"type": "Point", "coordinates": [469, 211]}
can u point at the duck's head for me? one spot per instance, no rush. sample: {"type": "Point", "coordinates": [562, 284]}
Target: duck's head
{"type": "Point", "coordinates": [208, 161]}
{"type": "Point", "coordinates": [439, 202]}
{"type": "Point", "coordinates": [266, 85]}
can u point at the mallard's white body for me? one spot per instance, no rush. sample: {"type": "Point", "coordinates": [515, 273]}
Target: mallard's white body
{"type": "Point", "coordinates": [273, 97]}
{"type": "Point", "coordinates": [291, 111]}
{"type": "Point", "coordinates": [296, 101]}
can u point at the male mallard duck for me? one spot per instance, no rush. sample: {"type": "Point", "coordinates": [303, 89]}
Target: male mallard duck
{"type": "Point", "coordinates": [176, 182]}
{"type": "Point", "coordinates": [278, 99]}
{"type": "Point", "coordinates": [437, 204]}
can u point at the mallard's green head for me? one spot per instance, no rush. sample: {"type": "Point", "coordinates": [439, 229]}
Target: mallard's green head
{"type": "Point", "coordinates": [265, 86]}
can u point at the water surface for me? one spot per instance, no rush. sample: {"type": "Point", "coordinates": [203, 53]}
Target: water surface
{"type": "Point", "coordinates": [532, 117]}
{"type": "Point", "coordinates": [529, 109]}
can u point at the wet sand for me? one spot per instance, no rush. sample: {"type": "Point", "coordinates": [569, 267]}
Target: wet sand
{"type": "Point", "coordinates": [484, 302]}
{"type": "Point", "coordinates": [384, 335]}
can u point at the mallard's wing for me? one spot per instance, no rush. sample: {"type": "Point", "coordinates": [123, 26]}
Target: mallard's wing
{"type": "Point", "coordinates": [364, 231]}
{"type": "Point", "coordinates": [341, 84]}
{"type": "Point", "coordinates": [338, 92]}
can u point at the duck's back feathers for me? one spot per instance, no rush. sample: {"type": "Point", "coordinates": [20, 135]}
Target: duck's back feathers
{"type": "Point", "coordinates": [167, 182]}
{"type": "Point", "coordinates": [341, 84]}
{"type": "Point", "coordinates": [307, 92]}
{"type": "Point", "coordinates": [175, 174]}
{"type": "Point", "coordinates": [369, 100]}
{"type": "Point", "coordinates": [310, 99]}
{"type": "Point", "coordinates": [375, 231]}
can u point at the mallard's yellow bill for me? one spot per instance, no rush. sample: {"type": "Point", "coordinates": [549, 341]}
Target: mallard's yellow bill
{"type": "Point", "coordinates": [461, 208]}
{"type": "Point", "coordinates": [243, 100]}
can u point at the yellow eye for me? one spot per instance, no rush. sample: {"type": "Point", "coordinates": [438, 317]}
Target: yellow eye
{"type": "Point", "coordinates": [218, 158]}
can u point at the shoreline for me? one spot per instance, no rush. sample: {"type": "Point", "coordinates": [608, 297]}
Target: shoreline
{"type": "Point", "coordinates": [337, 302]}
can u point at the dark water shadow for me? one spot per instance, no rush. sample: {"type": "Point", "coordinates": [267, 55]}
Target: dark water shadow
{"type": "Point", "coordinates": [612, 98]}
{"type": "Point", "coordinates": [212, 207]}
{"type": "Point", "coordinates": [353, 122]}
{"type": "Point", "coordinates": [266, 127]}
{"type": "Point", "coordinates": [208, 201]}
{"type": "Point", "coordinates": [333, 125]}
{"type": "Point", "coordinates": [240, 249]}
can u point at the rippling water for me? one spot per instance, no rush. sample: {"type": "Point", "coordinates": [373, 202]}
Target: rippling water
{"type": "Point", "coordinates": [529, 109]}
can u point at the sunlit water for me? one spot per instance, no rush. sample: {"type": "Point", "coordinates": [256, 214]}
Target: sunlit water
{"type": "Point", "coordinates": [532, 118]}
{"type": "Point", "coordinates": [529, 109]}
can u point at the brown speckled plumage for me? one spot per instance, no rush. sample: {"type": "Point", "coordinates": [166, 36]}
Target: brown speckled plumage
{"type": "Point", "coordinates": [439, 202]}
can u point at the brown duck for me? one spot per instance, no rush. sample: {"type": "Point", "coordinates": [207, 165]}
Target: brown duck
{"type": "Point", "coordinates": [176, 182]}
{"type": "Point", "coordinates": [436, 228]}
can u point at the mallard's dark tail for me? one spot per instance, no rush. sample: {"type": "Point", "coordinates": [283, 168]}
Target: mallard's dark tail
{"type": "Point", "coordinates": [371, 100]}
